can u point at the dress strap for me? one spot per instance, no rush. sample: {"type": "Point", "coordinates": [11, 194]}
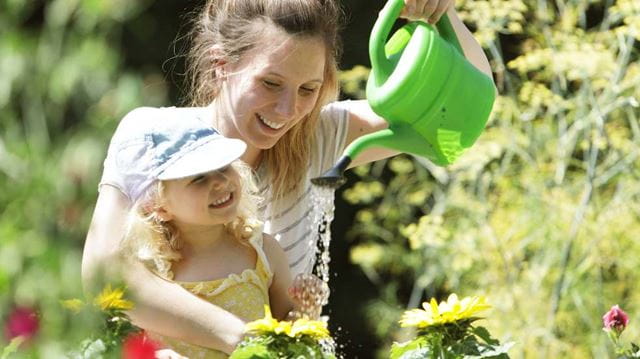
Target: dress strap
{"type": "Point", "coordinates": [262, 264]}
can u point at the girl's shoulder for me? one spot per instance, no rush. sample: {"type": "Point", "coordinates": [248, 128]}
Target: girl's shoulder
{"type": "Point", "coordinates": [274, 254]}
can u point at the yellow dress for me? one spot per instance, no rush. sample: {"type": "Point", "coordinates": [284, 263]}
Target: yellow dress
{"type": "Point", "coordinates": [243, 295]}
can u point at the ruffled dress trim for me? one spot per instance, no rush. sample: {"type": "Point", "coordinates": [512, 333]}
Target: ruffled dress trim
{"type": "Point", "coordinates": [260, 276]}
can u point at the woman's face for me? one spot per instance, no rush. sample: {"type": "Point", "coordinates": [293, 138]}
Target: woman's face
{"type": "Point", "coordinates": [274, 86]}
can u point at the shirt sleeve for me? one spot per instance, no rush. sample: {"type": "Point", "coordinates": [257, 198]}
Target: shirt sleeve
{"type": "Point", "coordinates": [331, 136]}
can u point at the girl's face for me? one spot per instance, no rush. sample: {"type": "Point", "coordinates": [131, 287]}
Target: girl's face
{"type": "Point", "coordinates": [203, 200]}
{"type": "Point", "coordinates": [274, 86]}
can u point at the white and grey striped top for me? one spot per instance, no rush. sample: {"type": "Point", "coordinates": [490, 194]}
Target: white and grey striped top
{"type": "Point", "coordinates": [289, 220]}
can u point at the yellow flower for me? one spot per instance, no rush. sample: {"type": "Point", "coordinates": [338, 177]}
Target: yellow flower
{"type": "Point", "coordinates": [452, 310]}
{"type": "Point", "coordinates": [265, 325]}
{"type": "Point", "coordinates": [75, 305]}
{"type": "Point", "coordinates": [313, 328]}
{"type": "Point", "coordinates": [300, 327]}
{"type": "Point", "coordinates": [112, 299]}
{"type": "Point", "coordinates": [283, 327]}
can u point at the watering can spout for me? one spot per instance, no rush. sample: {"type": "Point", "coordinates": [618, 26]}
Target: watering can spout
{"type": "Point", "coordinates": [401, 138]}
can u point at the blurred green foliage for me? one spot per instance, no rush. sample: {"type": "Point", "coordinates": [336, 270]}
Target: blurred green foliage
{"type": "Point", "coordinates": [542, 215]}
{"type": "Point", "coordinates": [63, 88]}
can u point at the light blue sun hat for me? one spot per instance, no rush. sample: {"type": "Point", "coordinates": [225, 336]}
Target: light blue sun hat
{"type": "Point", "coordinates": [168, 144]}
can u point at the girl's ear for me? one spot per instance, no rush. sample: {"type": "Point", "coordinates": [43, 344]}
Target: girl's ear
{"type": "Point", "coordinates": [163, 214]}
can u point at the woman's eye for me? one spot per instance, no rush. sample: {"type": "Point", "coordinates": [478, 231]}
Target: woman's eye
{"type": "Point", "coordinates": [270, 84]}
{"type": "Point", "coordinates": [308, 90]}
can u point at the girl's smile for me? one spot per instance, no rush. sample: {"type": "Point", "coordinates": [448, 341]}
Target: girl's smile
{"type": "Point", "coordinates": [222, 201]}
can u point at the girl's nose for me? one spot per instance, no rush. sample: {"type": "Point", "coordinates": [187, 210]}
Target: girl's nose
{"type": "Point", "coordinates": [218, 180]}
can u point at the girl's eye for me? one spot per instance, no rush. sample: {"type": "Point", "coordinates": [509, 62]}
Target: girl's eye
{"type": "Point", "coordinates": [197, 179]}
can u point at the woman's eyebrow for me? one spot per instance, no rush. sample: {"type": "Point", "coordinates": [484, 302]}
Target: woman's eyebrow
{"type": "Point", "coordinates": [319, 80]}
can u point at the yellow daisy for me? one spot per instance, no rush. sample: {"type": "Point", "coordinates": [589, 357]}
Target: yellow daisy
{"type": "Point", "coordinates": [112, 299]}
{"type": "Point", "coordinates": [448, 311]}
{"type": "Point", "coordinates": [265, 325]}
{"type": "Point", "coordinates": [300, 327]}
{"type": "Point", "coordinates": [313, 328]}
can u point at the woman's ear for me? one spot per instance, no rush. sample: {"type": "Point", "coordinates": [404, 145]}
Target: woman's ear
{"type": "Point", "coordinates": [218, 61]}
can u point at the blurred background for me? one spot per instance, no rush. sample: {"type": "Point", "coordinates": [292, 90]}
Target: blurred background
{"type": "Point", "coordinates": [542, 215]}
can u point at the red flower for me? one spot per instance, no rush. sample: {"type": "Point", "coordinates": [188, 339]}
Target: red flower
{"type": "Point", "coordinates": [139, 346]}
{"type": "Point", "coordinates": [615, 319]}
{"type": "Point", "coordinates": [23, 322]}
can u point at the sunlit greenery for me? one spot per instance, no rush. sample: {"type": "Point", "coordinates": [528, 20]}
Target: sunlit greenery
{"type": "Point", "coordinates": [542, 215]}
{"type": "Point", "coordinates": [63, 87]}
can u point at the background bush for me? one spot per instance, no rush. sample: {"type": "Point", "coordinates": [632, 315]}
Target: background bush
{"type": "Point", "coordinates": [542, 215]}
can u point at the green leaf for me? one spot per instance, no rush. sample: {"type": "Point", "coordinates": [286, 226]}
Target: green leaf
{"type": "Point", "coordinates": [408, 349]}
{"type": "Point", "coordinates": [483, 333]}
{"type": "Point", "coordinates": [255, 351]}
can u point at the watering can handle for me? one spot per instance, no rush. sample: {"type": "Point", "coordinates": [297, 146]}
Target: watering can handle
{"type": "Point", "coordinates": [381, 65]}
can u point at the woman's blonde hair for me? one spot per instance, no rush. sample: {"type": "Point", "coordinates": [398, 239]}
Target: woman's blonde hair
{"type": "Point", "coordinates": [157, 243]}
{"type": "Point", "coordinates": [232, 27]}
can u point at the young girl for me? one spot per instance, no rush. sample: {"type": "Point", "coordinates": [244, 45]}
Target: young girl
{"type": "Point", "coordinates": [193, 219]}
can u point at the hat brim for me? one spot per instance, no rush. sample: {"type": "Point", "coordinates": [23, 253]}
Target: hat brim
{"type": "Point", "coordinates": [208, 157]}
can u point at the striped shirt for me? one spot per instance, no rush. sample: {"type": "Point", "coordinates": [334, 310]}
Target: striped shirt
{"type": "Point", "coordinates": [289, 221]}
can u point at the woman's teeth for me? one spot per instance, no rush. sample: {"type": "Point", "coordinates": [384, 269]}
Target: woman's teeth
{"type": "Point", "coordinates": [273, 125]}
{"type": "Point", "coordinates": [221, 200]}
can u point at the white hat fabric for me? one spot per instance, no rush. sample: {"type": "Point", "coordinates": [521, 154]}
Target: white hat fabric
{"type": "Point", "coordinates": [170, 147]}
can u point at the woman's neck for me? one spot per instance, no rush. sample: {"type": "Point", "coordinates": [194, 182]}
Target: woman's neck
{"type": "Point", "coordinates": [221, 122]}
{"type": "Point", "coordinates": [252, 156]}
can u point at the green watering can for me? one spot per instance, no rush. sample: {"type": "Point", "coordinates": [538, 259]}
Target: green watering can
{"type": "Point", "coordinates": [436, 102]}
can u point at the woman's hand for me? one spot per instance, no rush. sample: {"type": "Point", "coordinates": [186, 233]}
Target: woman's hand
{"type": "Point", "coordinates": [425, 10]}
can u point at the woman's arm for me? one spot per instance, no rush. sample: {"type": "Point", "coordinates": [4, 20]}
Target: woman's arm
{"type": "Point", "coordinates": [161, 306]}
{"type": "Point", "coordinates": [362, 119]}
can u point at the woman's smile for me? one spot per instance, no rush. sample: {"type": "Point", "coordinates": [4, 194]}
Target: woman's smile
{"type": "Point", "coordinates": [270, 127]}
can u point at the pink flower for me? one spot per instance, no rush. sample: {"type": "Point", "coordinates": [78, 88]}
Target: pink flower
{"type": "Point", "coordinates": [139, 346]}
{"type": "Point", "coordinates": [615, 319]}
{"type": "Point", "coordinates": [23, 322]}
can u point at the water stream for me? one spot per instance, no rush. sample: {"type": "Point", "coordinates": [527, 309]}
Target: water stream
{"type": "Point", "coordinates": [322, 199]}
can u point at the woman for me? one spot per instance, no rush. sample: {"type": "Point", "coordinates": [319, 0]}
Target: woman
{"type": "Point", "coordinates": [265, 72]}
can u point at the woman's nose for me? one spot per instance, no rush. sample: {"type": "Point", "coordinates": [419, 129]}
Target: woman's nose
{"type": "Point", "coordinates": [286, 106]}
